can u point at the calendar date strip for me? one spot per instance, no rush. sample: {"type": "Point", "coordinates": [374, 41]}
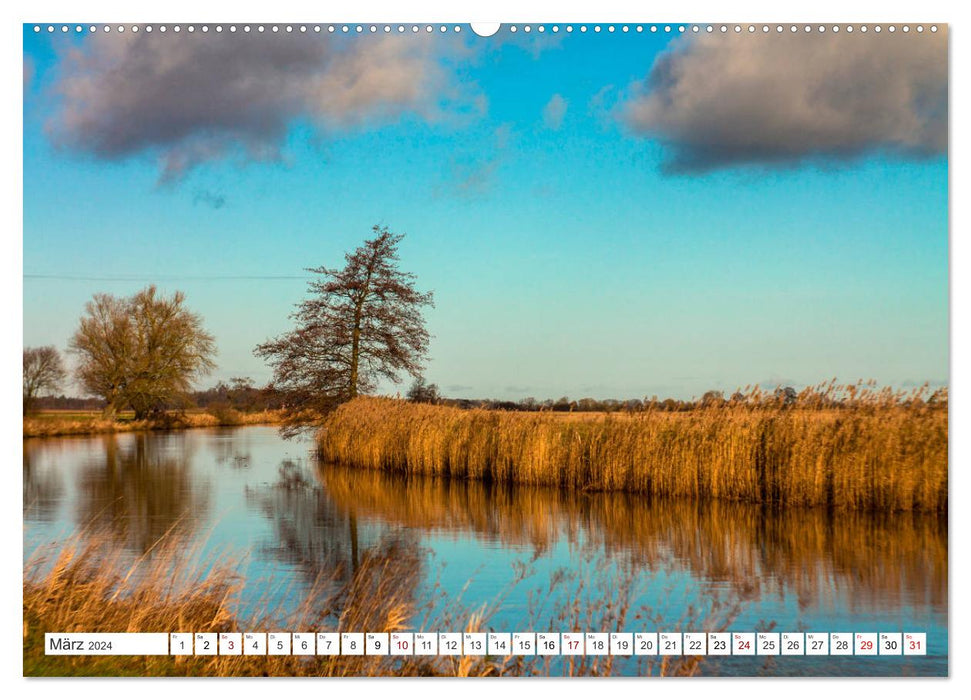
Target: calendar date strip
{"type": "Point", "coordinates": [487, 644]}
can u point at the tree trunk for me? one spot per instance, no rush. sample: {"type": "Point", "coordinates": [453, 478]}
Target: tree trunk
{"type": "Point", "coordinates": [355, 356]}
{"type": "Point", "coordinates": [110, 410]}
{"type": "Point", "coordinates": [356, 334]}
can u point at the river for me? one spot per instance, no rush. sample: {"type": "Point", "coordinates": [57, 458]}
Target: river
{"type": "Point", "coordinates": [535, 556]}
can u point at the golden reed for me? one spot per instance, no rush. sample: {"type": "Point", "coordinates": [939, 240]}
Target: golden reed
{"type": "Point", "coordinates": [92, 585]}
{"type": "Point", "coordinates": [881, 451]}
{"type": "Point", "coordinates": [56, 424]}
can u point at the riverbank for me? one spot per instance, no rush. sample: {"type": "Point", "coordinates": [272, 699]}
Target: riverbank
{"type": "Point", "coordinates": [62, 423]}
{"type": "Point", "coordinates": [879, 455]}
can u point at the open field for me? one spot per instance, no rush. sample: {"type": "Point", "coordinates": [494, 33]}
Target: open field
{"type": "Point", "coordinates": [881, 452]}
{"type": "Point", "coordinates": [54, 423]}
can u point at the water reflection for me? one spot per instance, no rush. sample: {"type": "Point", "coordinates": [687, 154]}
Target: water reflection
{"type": "Point", "coordinates": [875, 561]}
{"type": "Point", "coordinates": [311, 532]}
{"type": "Point", "coordinates": [139, 488]}
{"type": "Point", "coordinates": [43, 488]}
{"type": "Point", "coordinates": [232, 448]}
{"type": "Point", "coordinates": [298, 526]}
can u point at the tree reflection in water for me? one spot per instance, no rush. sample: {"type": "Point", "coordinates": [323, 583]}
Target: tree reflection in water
{"type": "Point", "coordinates": [898, 559]}
{"type": "Point", "coordinates": [314, 535]}
{"type": "Point", "coordinates": [43, 487]}
{"type": "Point", "coordinates": [140, 488]}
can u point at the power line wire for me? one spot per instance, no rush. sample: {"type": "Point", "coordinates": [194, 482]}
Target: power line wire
{"type": "Point", "coordinates": [159, 278]}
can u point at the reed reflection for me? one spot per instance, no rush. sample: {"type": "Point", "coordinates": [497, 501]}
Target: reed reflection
{"type": "Point", "coordinates": [871, 561]}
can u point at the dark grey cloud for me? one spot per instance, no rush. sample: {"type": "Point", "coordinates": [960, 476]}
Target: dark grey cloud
{"type": "Point", "coordinates": [193, 98]}
{"type": "Point", "coordinates": [458, 387]}
{"type": "Point", "coordinates": [719, 101]}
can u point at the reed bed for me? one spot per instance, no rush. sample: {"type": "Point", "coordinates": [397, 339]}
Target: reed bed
{"type": "Point", "coordinates": [879, 451]}
{"type": "Point", "coordinates": [55, 424]}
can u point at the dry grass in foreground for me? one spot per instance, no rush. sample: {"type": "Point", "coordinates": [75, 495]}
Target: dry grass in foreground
{"type": "Point", "coordinates": [94, 587]}
{"type": "Point", "coordinates": [881, 451]}
{"type": "Point", "coordinates": [56, 423]}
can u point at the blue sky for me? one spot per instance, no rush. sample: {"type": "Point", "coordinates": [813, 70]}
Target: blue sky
{"type": "Point", "coordinates": [573, 249]}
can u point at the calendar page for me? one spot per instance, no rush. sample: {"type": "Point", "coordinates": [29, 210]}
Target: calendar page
{"type": "Point", "coordinates": [556, 349]}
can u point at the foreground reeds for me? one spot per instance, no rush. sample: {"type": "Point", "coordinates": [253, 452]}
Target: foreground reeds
{"type": "Point", "coordinates": [881, 452]}
{"type": "Point", "coordinates": [90, 585]}
{"type": "Point", "coordinates": [53, 423]}
{"type": "Point", "coordinates": [93, 587]}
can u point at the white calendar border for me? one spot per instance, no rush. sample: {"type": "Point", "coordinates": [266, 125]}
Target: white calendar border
{"type": "Point", "coordinates": [508, 10]}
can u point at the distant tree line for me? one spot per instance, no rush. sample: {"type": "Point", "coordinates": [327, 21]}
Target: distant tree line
{"type": "Point", "coordinates": [240, 394]}
{"type": "Point", "coordinates": [823, 396]}
{"type": "Point", "coordinates": [565, 404]}
{"type": "Point", "coordinates": [67, 403]}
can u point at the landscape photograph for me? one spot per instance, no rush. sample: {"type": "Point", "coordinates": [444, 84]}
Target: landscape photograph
{"type": "Point", "coordinates": [524, 349]}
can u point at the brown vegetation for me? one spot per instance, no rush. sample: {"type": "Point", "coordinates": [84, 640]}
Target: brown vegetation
{"type": "Point", "coordinates": [56, 423]}
{"type": "Point", "coordinates": [95, 587]}
{"type": "Point", "coordinates": [882, 451]}
{"type": "Point", "coordinates": [141, 353]}
{"type": "Point", "coordinates": [43, 371]}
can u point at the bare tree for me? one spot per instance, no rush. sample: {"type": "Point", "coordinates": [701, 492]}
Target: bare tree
{"type": "Point", "coordinates": [43, 371]}
{"type": "Point", "coordinates": [361, 323]}
{"type": "Point", "coordinates": [142, 352]}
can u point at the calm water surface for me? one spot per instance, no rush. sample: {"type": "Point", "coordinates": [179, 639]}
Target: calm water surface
{"type": "Point", "coordinates": [285, 518]}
